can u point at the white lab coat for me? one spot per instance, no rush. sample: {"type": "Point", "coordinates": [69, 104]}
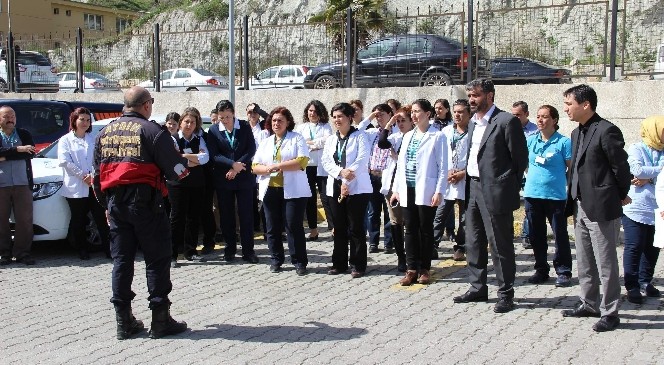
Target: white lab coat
{"type": "Point", "coordinates": [457, 159]}
{"type": "Point", "coordinates": [357, 160]}
{"type": "Point", "coordinates": [320, 132]}
{"type": "Point", "coordinates": [431, 170]}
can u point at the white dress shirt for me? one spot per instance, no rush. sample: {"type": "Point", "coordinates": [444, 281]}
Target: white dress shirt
{"type": "Point", "coordinates": [473, 168]}
{"type": "Point", "coordinates": [76, 155]}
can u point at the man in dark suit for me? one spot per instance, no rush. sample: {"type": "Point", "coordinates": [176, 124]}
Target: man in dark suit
{"type": "Point", "coordinates": [232, 147]}
{"type": "Point", "coordinates": [598, 183]}
{"type": "Point", "coordinates": [497, 158]}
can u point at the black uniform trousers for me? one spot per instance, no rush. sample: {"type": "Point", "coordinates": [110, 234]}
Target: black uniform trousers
{"type": "Point", "coordinates": [348, 219]}
{"type": "Point", "coordinates": [288, 213]}
{"type": "Point", "coordinates": [138, 219]}
{"type": "Point", "coordinates": [227, 198]}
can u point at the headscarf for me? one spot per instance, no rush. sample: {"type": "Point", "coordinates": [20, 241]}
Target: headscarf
{"type": "Point", "coordinates": [651, 131]}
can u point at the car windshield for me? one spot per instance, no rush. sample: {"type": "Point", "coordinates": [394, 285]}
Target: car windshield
{"type": "Point", "coordinates": [205, 72]}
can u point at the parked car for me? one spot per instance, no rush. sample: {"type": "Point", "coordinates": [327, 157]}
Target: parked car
{"type": "Point", "coordinates": [659, 63]}
{"type": "Point", "coordinates": [48, 120]}
{"type": "Point", "coordinates": [92, 82]}
{"type": "Point", "coordinates": [519, 70]}
{"type": "Point", "coordinates": [51, 213]}
{"type": "Point", "coordinates": [403, 60]}
{"type": "Point", "coordinates": [188, 79]}
{"type": "Point", "coordinates": [34, 73]}
{"type": "Point", "coordinates": [279, 77]}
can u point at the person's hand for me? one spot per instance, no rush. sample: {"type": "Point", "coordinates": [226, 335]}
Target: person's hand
{"type": "Point", "coordinates": [393, 198]}
{"type": "Point", "coordinates": [230, 175]}
{"type": "Point", "coordinates": [391, 122]}
{"type": "Point", "coordinates": [273, 168]}
{"type": "Point", "coordinates": [640, 182]}
{"type": "Point", "coordinates": [108, 218]}
{"type": "Point", "coordinates": [347, 174]}
{"type": "Point", "coordinates": [28, 149]}
{"type": "Point", "coordinates": [435, 200]}
{"type": "Point", "coordinates": [344, 190]}
{"type": "Point", "coordinates": [626, 201]}
{"type": "Point", "coordinates": [88, 179]}
{"type": "Point", "coordinates": [238, 167]}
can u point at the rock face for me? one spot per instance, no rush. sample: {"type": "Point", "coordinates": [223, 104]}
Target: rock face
{"type": "Point", "coordinates": [561, 32]}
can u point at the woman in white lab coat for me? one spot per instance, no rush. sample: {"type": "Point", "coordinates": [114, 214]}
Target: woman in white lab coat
{"type": "Point", "coordinates": [420, 180]}
{"type": "Point", "coordinates": [345, 158]}
{"type": "Point", "coordinates": [280, 162]}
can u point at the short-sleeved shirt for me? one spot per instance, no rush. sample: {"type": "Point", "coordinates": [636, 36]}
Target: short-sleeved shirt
{"type": "Point", "coordinates": [547, 177]}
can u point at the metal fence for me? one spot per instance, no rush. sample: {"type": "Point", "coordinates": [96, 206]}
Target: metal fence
{"type": "Point", "coordinates": [574, 35]}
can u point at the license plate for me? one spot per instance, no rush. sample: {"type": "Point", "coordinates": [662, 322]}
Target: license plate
{"type": "Point", "coordinates": [38, 73]}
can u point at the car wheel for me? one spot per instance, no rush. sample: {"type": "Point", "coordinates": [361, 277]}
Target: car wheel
{"type": "Point", "coordinates": [437, 79]}
{"type": "Point", "coordinates": [3, 86]}
{"type": "Point", "coordinates": [325, 82]}
{"type": "Point", "coordinates": [192, 89]}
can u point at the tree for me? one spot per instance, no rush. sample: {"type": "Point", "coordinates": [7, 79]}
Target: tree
{"type": "Point", "coordinates": [366, 13]}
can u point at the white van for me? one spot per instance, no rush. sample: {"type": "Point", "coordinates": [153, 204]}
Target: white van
{"type": "Point", "coordinates": [659, 62]}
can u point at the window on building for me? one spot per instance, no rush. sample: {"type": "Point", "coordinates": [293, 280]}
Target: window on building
{"type": "Point", "coordinates": [93, 21]}
{"type": "Point", "coordinates": [122, 24]}
{"type": "Point", "coordinates": [56, 11]}
{"type": "Point", "coordinates": [68, 12]}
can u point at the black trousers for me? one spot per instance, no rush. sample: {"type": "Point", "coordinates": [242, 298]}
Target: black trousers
{"type": "Point", "coordinates": [317, 183]}
{"type": "Point", "coordinates": [445, 212]}
{"type": "Point", "coordinates": [138, 219]}
{"type": "Point", "coordinates": [484, 229]}
{"type": "Point", "coordinates": [186, 206]}
{"type": "Point", "coordinates": [227, 198]}
{"type": "Point", "coordinates": [79, 208]}
{"type": "Point", "coordinates": [348, 219]}
{"type": "Point", "coordinates": [418, 221]}
{"type": "Point", "coordinates": [289, 213]}
{"type": "Point", "coordinates": [208, 222]}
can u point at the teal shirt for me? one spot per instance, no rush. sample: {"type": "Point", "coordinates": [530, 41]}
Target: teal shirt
{"type": "Point", "coordinates": [547, 171]}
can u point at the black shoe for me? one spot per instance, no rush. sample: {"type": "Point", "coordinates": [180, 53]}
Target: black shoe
{"type": "Point", "coordinates": [301, 271]}
{"type": "Point", "coordinates": [469, 297]}
{"type": "Point", "coordinates": [207, 250]}
{"type": "Point", "coordinates": [538, 278]}
{"type": "Point", "coordinates": [526, 243]}
{"type": "Point", "coordinates": [163, 324]}
{"type": "Point", "coordinates": [389, 250]}
{"type": "Point", "coordinates": [606, 323]}
{"type": "Point", "coordinates": [634, 296]}
{"type": "Point", "coordinates": [174, 264]}
{"type": "Point", "coordinates": [650, 291]}
{"type": "Point", "coordinates": [373, 249]}
{"type": "Point", "coordinates": [252, 259]}
{"type": "Point", "coordinates": [5, 260]}
{"type": "Point", "coordinates": [26, 260]}
{"type": "Point", "coordinates": [275, 268]}
{"type": "Point", "coordinates": [434, 254]}
{"type": "Point", "coordinates": [563, 281]}
{"type": "Point", "coordinates": [195, 258]}
{"type": "Point", "coordinates": [229, 258]}
{"type": "Point", "coordinates": [580, 311]}
{"type": "Point", "coordinates": [128, 325]}
{"type": "Point", "coordinates": [333, 271]}
{"type": "Point", "coordinates": [504, 305]}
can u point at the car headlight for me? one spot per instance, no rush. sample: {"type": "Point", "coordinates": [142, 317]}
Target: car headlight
{"type": "Point", "coordinates": [43, 191]}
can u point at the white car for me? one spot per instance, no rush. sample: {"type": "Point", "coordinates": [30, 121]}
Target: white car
{"type": "Point", "coordinates": [280, 77]}
{"type": "Point", "coordinates": [51, 213]}
{"type": "Point", "coordinates": [92, 83]}
{"type": "Point", "coordinates": [188, 79]}
{"type": "Point", "coordinates": [659, 62]}
{"type": "Point", "coordinates": [34, 73]}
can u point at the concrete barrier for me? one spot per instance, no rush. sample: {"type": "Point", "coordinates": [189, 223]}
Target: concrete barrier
{"type": "Point", "coordinates": [623, 103]}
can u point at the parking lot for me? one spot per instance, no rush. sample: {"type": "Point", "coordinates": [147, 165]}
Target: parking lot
{"type": "Point", "coordinates": [59, 312]}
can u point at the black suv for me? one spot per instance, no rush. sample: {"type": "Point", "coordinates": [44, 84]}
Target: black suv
{"type": "Point", "coordinates": [403, 60]}
{"type": "Point", "coordinates": [519, 70]}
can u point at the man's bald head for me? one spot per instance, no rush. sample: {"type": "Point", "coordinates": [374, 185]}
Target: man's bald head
{"type": "Point", "coordinates": [136, 99]}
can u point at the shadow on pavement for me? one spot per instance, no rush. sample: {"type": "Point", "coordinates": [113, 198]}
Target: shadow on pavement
{"type": "Point", "coordinates": [313, 332]}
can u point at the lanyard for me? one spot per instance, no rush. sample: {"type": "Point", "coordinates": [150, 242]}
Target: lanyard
{"type": "Point", "coordinates": [544, 146]}
{"type": "Point", "coordinates": [231, 138]}
{"type": "Point", "coordinates": [277, 147]}
{"type": "Point", "coordinates": [341, 149]}
{"type": "Point", "coordinates": [311, 132]}
{"type": "Point", "coordinates": [11, 139]}
{"type": "Point", "coordinates": [456, 137]}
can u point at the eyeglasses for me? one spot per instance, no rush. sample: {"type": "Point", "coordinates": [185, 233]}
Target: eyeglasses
{"type": "Point", "coordinates": [151, 101]}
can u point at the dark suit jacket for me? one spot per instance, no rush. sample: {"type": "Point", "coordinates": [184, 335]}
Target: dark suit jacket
{"type": "Point", "coordinates": [604, 177]}
{"type": "Point", "coordinates": [223, 156]}
{"type": "Point", "coordinates": [10, 153]}
{"type": "Point", "coordinates": [502, 159]}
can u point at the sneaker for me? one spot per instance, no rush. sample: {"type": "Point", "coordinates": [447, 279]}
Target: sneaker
{"type": "Point", "coordinates": [526, 243]}
{"type": "Point", "coordinates": [458, 256]}
{"type": "Point", "coordinates": [649, 290]}
{"type": "Point", "coordinates": [301, 271]}
{"type": "Point", "coordinates": [389, 250]}
{"type": "Point", "coordinates": [26, 260]}
{"type": "Point", "coordinates": [538, 278]}
{"type": "Point", "coordinates": [275, 268]}
{"type": "Point", "coordinates": [563, 281]}
{"type": "Point", "coordinates": [373, 249]}
{"type": "Point", "coordinates": [5, 260]}
{"type": "Point", "coordinates": [634, 296]}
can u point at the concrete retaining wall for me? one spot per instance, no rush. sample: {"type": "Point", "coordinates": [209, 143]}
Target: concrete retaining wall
{"type": "Point", "coordinates": [624, 103]}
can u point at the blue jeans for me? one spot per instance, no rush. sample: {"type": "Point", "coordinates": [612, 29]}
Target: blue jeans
{"type": "Point", "coordinates": [377, 205]}
{"type": "Point", "coordinates": [538, 212]}
{"type": "Point", "coordinates": [640, 256]}
{"type": "Point", "coordinates": [288, 213]}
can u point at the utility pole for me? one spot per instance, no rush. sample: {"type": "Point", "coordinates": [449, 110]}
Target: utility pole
{"type": "Point", "coordinates": [231, 53]}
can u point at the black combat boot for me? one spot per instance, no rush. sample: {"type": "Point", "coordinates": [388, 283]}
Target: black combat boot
{"type": "Point", "coordinates": [128, 325]}
{"type": "Point", "coordinates": [163, 324]}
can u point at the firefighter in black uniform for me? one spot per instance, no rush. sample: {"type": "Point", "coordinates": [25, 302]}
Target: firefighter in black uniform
{"type": "Point", "coordinates": [132, 156]}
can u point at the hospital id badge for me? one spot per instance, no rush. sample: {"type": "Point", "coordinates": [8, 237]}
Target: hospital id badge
{"type": "Point", "coordinates": [540, 160]}
{"type": "Point", "coordinates": [411, 165]}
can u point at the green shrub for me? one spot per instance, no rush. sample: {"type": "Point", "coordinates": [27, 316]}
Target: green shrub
{"type": "Point", "coordinates": [210, 10]}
